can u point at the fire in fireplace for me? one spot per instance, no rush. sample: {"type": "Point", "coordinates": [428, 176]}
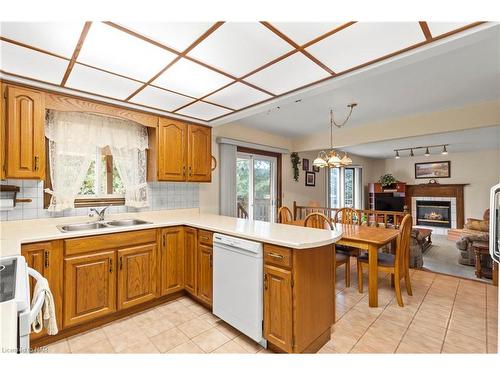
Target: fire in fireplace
{"type": "Point", "coordinates": [434, 213]}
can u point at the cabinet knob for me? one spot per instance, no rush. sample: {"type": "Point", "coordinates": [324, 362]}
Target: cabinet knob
{"type": "Point", "coordinates": [265, 281]}
{"type": "Point", "coordinates": [110, 265]}
{"type": "Point", "coordinates": [46, 258]}
{"type": "Point", "coordinates": [37, 160]}
{"type": "Point", "coordinates": [121, 263]}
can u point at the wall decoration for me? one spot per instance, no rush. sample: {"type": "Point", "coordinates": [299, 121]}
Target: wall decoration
{"type": "Point", "coordinates": [305, 164]}
{"type": "Point", "coordinates": [294, 157]}
{"type": "Point", "coordinates": [435, 169]}
{"type": "Point", "coordinates": [315, 168]}
{"type": "Point", "coordinates": [310, 179]}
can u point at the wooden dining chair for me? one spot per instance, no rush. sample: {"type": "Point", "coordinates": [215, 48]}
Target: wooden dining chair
{"type": "Point", "coordinates": [320, 221]}
{"type": "Point", "coordinates": [398, 265]}
{"type": "Point", "coordinates": [284, 215]}
{"type": "Point", "coordinates": [347, 215]}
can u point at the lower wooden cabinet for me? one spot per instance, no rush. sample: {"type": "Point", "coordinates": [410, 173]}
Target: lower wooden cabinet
{"type": "Point", "coordinates": [172, 260]}
{"type": "Point", "coordinates": [205, 273]}
{"type": "Point", "coordinates": [46, 258]}
{"type": "Point", "coordinates": [136, 275]}
{"type": "Point", "coordinates": [278, 307]}
{"type": "Point", "coordinates": [89, 287]}
{"type": "Point", "coordinates": [190, 259]}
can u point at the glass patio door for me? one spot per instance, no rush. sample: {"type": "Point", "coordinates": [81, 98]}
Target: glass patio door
{"type": "Point", "coordinates": [256, 186]}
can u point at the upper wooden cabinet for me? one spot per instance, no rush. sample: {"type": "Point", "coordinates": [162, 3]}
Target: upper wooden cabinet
{"type": "Point", "coordinates": [180, 152]}
{"type": "Point", "coordinates": [172, 138]}
{"type": "Point", "coordinates": [24, 133]}
{"type": "Point", "coordinates": [199, 153]}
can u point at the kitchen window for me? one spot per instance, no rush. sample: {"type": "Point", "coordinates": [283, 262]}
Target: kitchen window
{"type": "Point", "coordinates": [345, 188]}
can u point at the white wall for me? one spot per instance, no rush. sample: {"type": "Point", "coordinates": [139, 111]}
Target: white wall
{"type": "Point", "coordinates": [479, 169]}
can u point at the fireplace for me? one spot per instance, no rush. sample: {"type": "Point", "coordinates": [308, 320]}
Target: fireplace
{"type": "Point", "coordinates": [434, 213]}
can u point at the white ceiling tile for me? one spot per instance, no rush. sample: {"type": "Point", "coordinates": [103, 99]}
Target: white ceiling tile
{"type": "Point", "coordinates": [56, 37]}
{"type": "Point", "coordinates": [438, 28]}
{"type": "Point", "coordinates": [288, 74]}
{"type": "Point", "coordinates": [192, 79]}
{"type": "Point", "coordinates": [203, 111]}
{"type": "Point", "coordinates": [175, 35]}
{"type": "Point", "coordinates": [102, 83]}
{"type": "Point", "coordinates": [365, 41]}
{"type": "Point", "coordinates": [116, 51]}
{"type": "Point", "coordinates": [31, 64]}
{"type": "Point", "coordinates": [239, 48]}
{"type": "Point", "coordinates": [158, 98]}
{"type": "Point", "coordinates": [303, 32]}
{"type": "Point", "coordinates": [237, 96]}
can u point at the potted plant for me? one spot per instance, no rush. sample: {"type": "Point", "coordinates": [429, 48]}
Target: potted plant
{"type": "Point", "coordinates": [294, 157]}
{"type": "Point", "coordinates": [387, 181]}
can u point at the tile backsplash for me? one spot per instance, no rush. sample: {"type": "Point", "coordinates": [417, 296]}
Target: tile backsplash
{"type": "Point", "coordinates": [162, 196]}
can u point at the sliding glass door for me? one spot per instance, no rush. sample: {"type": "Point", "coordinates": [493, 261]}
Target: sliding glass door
{"type": "Point", "coordinates": [256, 186]}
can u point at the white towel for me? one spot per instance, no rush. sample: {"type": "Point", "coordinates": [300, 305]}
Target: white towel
{"type": "Point", "coordinates": [47, 314]}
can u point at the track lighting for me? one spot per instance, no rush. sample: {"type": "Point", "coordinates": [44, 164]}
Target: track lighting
{"type": "Point", "coordinates": [426, 148]}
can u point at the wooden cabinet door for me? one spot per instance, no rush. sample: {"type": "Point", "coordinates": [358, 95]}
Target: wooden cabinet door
{"type": "Point", "coordinates": [190, 263]}
{"type": "Point", "coordinates": [199, 153]}
{"type": "Point", "coordinates": [46, 259]}
{"type": "Point", "coordinates": [136, 275]}
{"type": "Point", "coordinates": [278, 307]}
{"type": "Point", "coordinates": [205, 273]}
{"type": "Point", "coordinates": [171, 150]}
{"type": "Point", "coordinates": [89, 287]}
{"type": "Point", "coordinates": [25, 134]}
{"type": "Point", "coordinates": [172, 260]}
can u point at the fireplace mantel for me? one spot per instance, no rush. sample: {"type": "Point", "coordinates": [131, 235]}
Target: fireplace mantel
{"type": "Point", "coordinates": [439, 190]}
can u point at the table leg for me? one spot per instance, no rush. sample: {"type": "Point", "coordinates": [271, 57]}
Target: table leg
{"type": "Point", "coordinates": [373, 276]}
{"type": "Point", "coordinates": [494, 271]}
{"type": "Point", "coordinates": [478, 263]}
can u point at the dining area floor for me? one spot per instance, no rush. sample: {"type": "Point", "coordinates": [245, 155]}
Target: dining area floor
{"type": "Point", "coordinates": [446, 314]}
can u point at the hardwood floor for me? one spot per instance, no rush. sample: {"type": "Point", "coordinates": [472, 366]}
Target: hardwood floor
{"type": "Point", "coordinates": [445, 315]}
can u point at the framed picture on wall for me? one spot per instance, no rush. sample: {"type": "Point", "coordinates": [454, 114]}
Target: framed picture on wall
{"type": "Point", "coordinates": [310, 179]}
{"type": "Point", "coordinates": [305, 164]}
{"type": "Point", "coordinates": [435, 169]}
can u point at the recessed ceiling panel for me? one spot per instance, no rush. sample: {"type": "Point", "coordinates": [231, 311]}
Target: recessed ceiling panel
{"type": "Point", "coordinates": [239, 48]}
{"type": "Point", "coordinates": [364, 42]}
{"type": "Point", "coordinates": [439, 28]}
{"type": "Point", "coordinates": [203, 111]}
{"type": "Point", "coordinates": [56, 37]}
{"type": "Point", "coordinates": [288, 74]}
{"type": "Point", "coordinates": [192, 79]}
{"type": "Point", "coordinates": [31, 64]}
{"type": "Point", "coordinates": [176, 35]}
{"type": "Point", "coordinates": [158, 98]}
{"type": "Point", "coordinates": [238, 96]}
{"type": "Point", "coordinates": [303, 32]}
{"type": "Point", "coordinates": [99, 82]}
{"type": "Point", "coordinates": [116, 51]}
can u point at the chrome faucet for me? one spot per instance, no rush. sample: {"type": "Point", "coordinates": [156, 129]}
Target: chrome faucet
{"type": "Point", "coordinates": [99, 213]}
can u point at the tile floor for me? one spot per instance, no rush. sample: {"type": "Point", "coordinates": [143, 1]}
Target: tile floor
{"type": "Point", "coordinates": [445, 315]}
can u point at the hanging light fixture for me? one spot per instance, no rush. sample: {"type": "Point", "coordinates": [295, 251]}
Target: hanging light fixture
{"type": "Point", "coordinates": [331, 158]}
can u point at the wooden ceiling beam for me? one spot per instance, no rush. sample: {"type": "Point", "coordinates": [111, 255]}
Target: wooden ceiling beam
{"type": "Point", "coordinates": [76, 52]}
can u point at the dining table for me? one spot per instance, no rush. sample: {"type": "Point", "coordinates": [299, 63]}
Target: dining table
{"type": "Point", "coordinates": [366, 238]}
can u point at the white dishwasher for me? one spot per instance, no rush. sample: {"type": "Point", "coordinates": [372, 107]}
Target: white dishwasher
{"type": "Point", "coordinates": [238, 285]}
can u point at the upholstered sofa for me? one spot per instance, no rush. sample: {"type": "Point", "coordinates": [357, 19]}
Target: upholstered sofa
{"type": "Point", "coordinates": [474, 230]}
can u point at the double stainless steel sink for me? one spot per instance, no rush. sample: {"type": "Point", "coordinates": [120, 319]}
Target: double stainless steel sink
{"type": "Point", "coordinates": [101, 225]}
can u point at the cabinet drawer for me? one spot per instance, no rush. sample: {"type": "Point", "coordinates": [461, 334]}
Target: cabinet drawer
{"type": "Point", "coordinates": [205, 237]}
{"type": "Point", "coordinates": [108, 241]}
{"type": "Point", "coordinates": [279, 256]}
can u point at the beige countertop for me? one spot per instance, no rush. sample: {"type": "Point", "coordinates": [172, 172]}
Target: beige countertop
{"type": "Point", "coordinates": [15, 233]}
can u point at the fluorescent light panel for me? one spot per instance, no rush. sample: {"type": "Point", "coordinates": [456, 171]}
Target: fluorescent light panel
{"type": "Point", "coordinates": [203, 111]}
{"type": "Point", "coordinates": [238, 96]}
{"type": "Point", "coordinates": [161, 99]}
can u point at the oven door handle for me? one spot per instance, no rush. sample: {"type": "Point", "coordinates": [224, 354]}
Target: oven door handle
{"type": "Point", "coordinates": [37, 306]}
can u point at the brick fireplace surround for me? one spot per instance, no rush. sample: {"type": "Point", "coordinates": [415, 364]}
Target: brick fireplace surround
{"type": "Point", "coordinates": [453, 193]}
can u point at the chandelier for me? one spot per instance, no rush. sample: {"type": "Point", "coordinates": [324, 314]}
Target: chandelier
{"type": "Point", "coordinates": [331, 158]}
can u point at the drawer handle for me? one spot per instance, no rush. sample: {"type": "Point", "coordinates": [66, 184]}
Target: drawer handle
{"type": "Point", "coordinates": [204, 238]}
{"type": "Point", "coordinates": [276, 256]}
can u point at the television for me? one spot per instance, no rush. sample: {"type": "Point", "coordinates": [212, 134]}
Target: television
{"type": "Point", "coordinates": [389, 203]}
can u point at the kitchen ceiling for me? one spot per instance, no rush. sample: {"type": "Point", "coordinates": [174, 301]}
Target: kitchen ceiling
{"type": "Point", "coordinates": [200, 70]}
